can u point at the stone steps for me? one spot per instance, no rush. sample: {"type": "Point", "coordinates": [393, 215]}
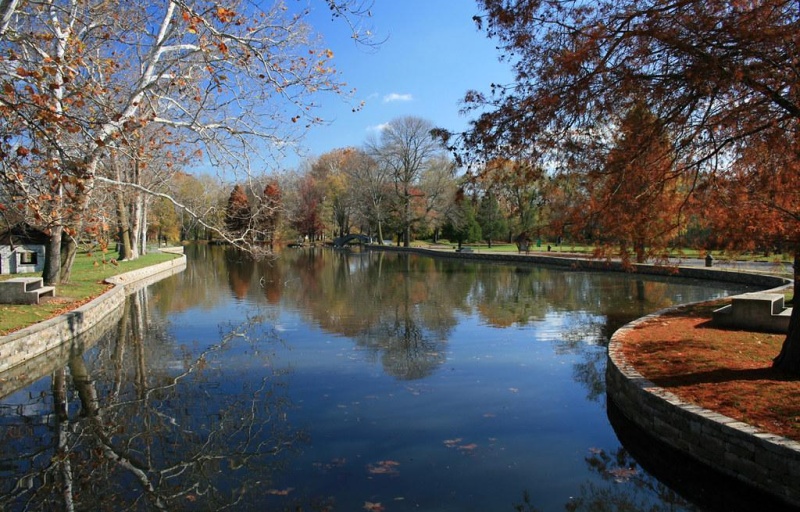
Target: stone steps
{"type": "Point", "coordinates": [24, 290]}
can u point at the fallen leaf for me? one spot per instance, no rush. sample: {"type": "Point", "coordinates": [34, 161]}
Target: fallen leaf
{"type": "Point", "coordinates": [384, 467]}
{"type": "Point", "coordinates": [280, 492]}
{"type": "Point", "coordinates": [622, 475]}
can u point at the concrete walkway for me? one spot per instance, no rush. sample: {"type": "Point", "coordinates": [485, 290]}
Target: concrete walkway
{"type": "Point", "coordinates": [785, 269]}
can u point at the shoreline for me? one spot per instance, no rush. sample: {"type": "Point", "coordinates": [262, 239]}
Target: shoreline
{"type": "Point", "coordinates": [766, 462]}
{"type": "Point", "coordinates": [24, 353]}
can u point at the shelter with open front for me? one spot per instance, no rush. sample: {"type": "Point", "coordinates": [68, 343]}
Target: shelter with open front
{"type": "Point", "coordinates": [22, 250]}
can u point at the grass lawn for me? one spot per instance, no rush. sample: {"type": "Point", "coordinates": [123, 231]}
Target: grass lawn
{"type": "Point", "coordinates": [727, 371]}
{"type": "Point", "coordinates": [88, 273]}
{"type": "Point", "coordinates": [588, 250]}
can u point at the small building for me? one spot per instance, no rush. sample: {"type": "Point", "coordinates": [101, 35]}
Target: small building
{"type": "Point", "coordinates": [22, 250]}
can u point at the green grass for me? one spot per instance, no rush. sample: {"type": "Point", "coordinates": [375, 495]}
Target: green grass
{"type": "Point", "coordinates": [88, 273]}
{"type": "Point", "coordinates": [588, 250]}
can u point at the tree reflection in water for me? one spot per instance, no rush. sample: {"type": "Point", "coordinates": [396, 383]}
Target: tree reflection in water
{"type": "Point", "coordinates": [186, 403]}
{"type": "Point", "coordinates": [123, 428]}
{"type": "Point", "coordinates": [625, 488]}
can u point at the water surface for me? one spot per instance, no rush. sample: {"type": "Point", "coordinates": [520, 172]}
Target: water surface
{"type": "Point", "coordinates": [337, 380]}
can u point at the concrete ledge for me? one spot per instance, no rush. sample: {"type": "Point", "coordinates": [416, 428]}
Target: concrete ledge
{"type": "Point", "coordinates": [765, 461]}
{"type": "Point", "coordinates": [64, 331]}
{"type": "Point", "coordinates": [757, 311]}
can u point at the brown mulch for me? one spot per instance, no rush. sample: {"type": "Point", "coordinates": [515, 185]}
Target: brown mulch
{"type": "Point", "coordinates": [723, 370]}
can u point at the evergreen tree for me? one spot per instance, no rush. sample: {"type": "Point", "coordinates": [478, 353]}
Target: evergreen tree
{"type": "Point", "coordinates": [463, 225]}
{"type": "Point", "coordinates": [492, 222]}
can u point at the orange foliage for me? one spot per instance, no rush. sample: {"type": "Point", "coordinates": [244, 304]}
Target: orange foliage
{"type": "Point", "coordinates": [755, 204]}
{"type": "Point", "coordinates": [635, 200]}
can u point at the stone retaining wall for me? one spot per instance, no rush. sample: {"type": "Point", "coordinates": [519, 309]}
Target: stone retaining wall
{"type": "Point", "coordinates": [60, 334]}
{"type": "Point", "coordinates": [765, 461]}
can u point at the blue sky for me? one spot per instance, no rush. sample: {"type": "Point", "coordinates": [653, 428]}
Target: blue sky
{"type": "Point", "coordinates": [432, 55]}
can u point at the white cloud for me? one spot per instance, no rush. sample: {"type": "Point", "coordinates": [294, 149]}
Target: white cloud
{"type": "Point", "coordinates": [397, 97]}
{"type": "Point", "coordinates": [378, 128]}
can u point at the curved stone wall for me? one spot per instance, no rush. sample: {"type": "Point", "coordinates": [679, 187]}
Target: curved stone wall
{"type": "Point", "coordinates": [58, 334]}
{"type": "Point", "coordinates": [765, 461]}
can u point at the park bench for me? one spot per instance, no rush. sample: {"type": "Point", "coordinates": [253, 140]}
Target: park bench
{"type": "Point", "coordinates": [757, 311]}
{"type": "Point", "coordinates": [24, 290]}
{"type": "Point", "coordinates": [464, 249]}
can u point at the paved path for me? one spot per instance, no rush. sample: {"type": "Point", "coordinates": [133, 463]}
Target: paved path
{"type": "Point", "coordinates": [761, 267]}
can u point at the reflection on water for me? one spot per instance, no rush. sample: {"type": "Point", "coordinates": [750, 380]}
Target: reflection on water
{"type": "Point", "coordinates": [336, 380]}
{"type": "Point", "coordinates": [714, 492]}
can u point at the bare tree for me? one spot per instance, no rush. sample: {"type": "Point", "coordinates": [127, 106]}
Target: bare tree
{"type": "Point", "coordinates": [238, 79]}
{"type": "Point", "coordinates": [370, 183]}
{"type": "Point", "coordinates": [407, 148]}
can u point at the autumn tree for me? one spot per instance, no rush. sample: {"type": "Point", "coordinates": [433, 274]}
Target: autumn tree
{"type": "Point", "coordinates": [269, 213]}
{"type": "Point", "coordinates": [238, 78]}
{"type": "Point", "coordinates": [164, 223]}
{"type": "Point", "coordinates": [719, 76]}
{"type": "Point", "coordinates": [238, 217]}
{"type": "Point", "coordinates": [330, 173]}
{"type": "Point", "coordinates": [306, 211]}
{"type": "Point", "coordinates": [634, 200]}
{"type": "Point", "coordinates": [145, 161]}
{"type": "Point", "coordinates": [519, 183]}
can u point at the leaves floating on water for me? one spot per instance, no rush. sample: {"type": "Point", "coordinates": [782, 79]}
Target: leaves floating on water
{"type": "Point", "coordinates": [622, 475]}
{"type": "Point", "coordinates": [383, 467]}
{"type": "Point", "coordinates": [280, 492]}
{"type": "Point", "coordinates": [334, 463]}
{"type": "Point", "coordinates": [456, 443]}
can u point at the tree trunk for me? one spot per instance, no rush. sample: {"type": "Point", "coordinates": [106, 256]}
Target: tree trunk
{"type": "Point", "coordinates": [67, 259]}
{"type": "Point", "coordinates": [125, 251]}
{"type": "Point", "coordinates": [639, 248]}
{"type": "Point", "coordinates": [52, 258]}
{"type": "Point", "coordinates": [82, 380]}
{"type": "Point", "coordinates": [789, 358]}
{"type": "Point", "coordinates": [796, 268]}
{"type": "Point", "coordinates": [123, 223]}
{"type": "Point", "coordinates": [143, 228]}
{"type": "Point", "coordinates": [139, 225]}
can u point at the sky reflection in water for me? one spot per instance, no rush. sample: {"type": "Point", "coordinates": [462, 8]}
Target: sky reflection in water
{"type": "Point", "coordinates": [343, 381]}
